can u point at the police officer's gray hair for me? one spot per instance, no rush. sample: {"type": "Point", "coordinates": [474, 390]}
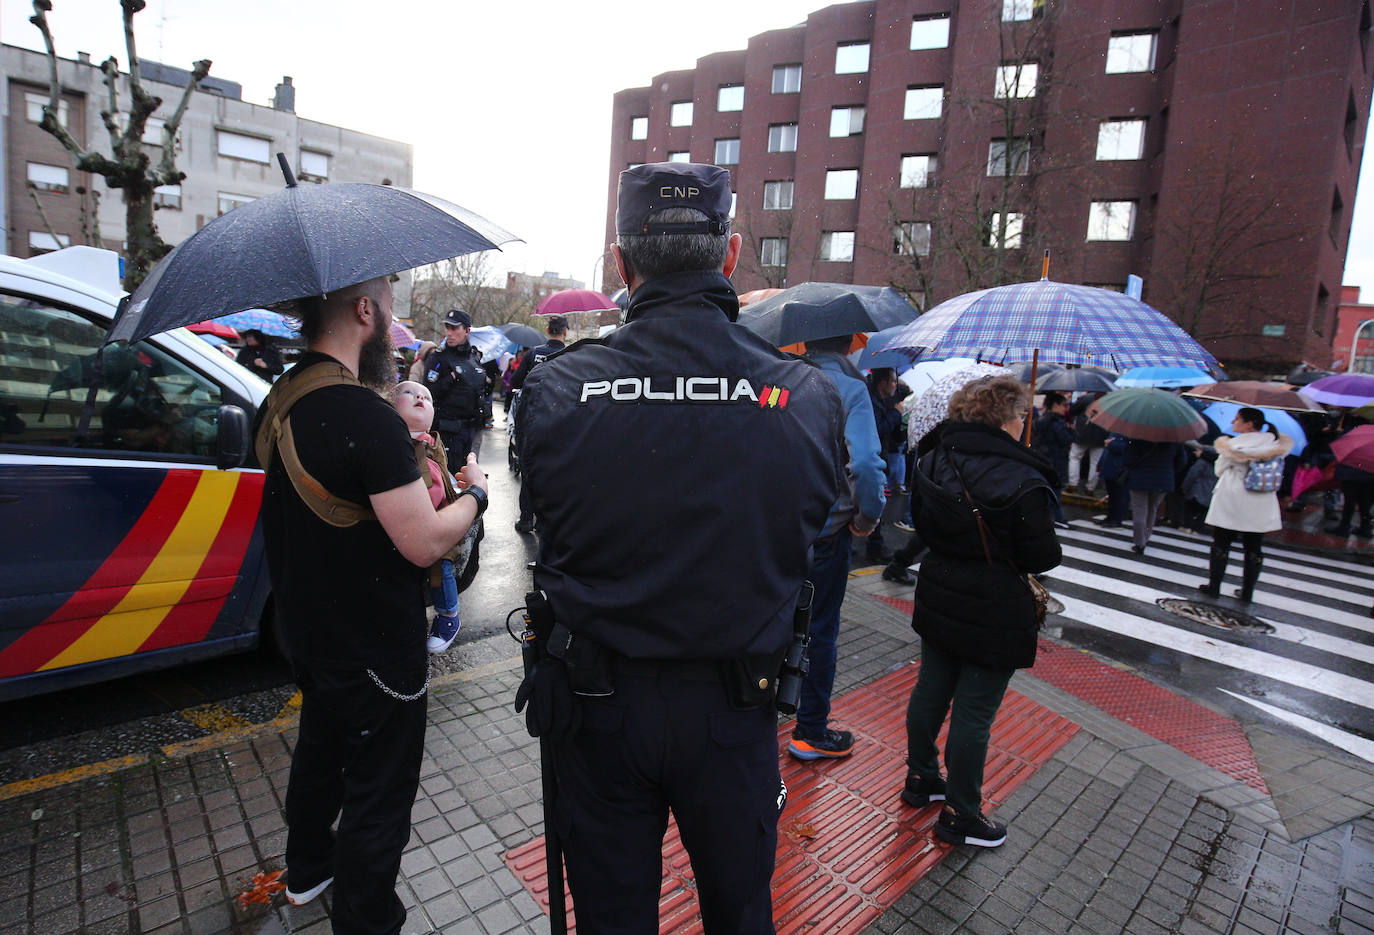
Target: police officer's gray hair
{"type": "Point", "coordinates": [652, 255]}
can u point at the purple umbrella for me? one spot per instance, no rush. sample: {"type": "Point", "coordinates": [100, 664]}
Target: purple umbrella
{"type": "Point", "coordinates": [1342, 389]}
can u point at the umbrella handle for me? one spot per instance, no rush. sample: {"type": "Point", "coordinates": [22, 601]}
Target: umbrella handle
{"type": "Point", "coordinates": [286, 170]}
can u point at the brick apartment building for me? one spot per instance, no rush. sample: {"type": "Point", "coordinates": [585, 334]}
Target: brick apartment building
{"type": "Point", "coordinates": [226, 146]}
{"type": "Point", "coordinates": [1353, 347]}
{"type": "Point", "coordinates": [1209, 146]}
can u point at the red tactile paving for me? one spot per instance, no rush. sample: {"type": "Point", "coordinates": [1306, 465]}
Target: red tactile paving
{"type": "Point", "coordinates": [847, 846]}
{"type": "Point", "coordinates": [1203, 734]}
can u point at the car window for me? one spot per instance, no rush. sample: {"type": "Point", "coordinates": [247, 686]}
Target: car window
{"type": "Point", "coordinates": [146, 401]}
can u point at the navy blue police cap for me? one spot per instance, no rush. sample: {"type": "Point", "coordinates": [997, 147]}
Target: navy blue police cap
{"type": "Point", "coordinates": [456, 317]}
{"type": "Point", "coordinates": [658, 185]}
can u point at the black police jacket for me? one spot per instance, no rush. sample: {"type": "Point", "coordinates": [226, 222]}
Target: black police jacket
{"type": "Point", "coordinates": [457, 381]}
{"type": "Point", "coordinates": [536, 356]}
{"type": "Point", "coordinates": [680, 469]}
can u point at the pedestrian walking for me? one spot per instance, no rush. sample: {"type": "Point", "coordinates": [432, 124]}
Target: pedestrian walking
{"type": "Point", "coordinates": [1053, 438]}
{"type": "Point", "coordinates": [557, 326]}
{"type": "Point", "coordinates": [1111, 467]}
{"type": "Point", "coordinates": [1239, 510]}
{"type": "Point", "coordinates": [453, 372]}
{"type": "Point", "coordinates": [678, 470]}
{"type": "Point", "coordinates": [347, 591]}
{"type": "Point", "coordinates": [855, 515]}
{"type": "Point", "coordinates": [984, 505]}
{"type": "Point", "coordinates": [260, 355]}
{"type": "Point", "coordinates": [1152, 470]}
{"type": "Point", "coordinates": [1088, 441]}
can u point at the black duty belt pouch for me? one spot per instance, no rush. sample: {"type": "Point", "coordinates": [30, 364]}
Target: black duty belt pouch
{"type": "Point", "coordinates": [588, 662]}
{"type": "Point", "coordinates": [752, 682]}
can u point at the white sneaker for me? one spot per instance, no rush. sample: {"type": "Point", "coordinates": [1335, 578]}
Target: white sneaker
{"type": "Point", "coordinates": [300, 899]}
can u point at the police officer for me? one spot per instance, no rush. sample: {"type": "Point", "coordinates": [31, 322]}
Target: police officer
{"type": "Point", "coordinates": [558, 329]}
{"type": "Point", "coordinates": [453, 372]}
{"type": "Point", "coordinates": [679, 470]}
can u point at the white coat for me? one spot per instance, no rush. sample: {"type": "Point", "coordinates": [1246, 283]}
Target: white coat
{"type": "Point", "coordinates": [1234, 507]}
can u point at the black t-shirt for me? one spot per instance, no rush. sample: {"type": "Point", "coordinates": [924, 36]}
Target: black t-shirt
{"type": "Point", "coordinates": [344, 596]}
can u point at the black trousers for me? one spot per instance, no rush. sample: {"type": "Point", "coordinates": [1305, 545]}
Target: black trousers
{"type": "Point", "coordinates": [357, 759]}
{"type": "Point", "coordinates": [458, 443]}
{"type": "Point", "coordinates": [669, 741]}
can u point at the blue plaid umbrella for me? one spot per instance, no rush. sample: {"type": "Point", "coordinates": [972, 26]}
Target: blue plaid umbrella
{"type": "Point", "coordinates": [1066, 324]}
{"type": "Point", "coordinates": [260, 319]}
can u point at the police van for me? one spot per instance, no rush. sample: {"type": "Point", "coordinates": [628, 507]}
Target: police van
{"type": "Point", "coordinates": [130, 542]}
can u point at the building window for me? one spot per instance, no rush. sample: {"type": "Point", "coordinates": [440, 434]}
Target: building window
{"type": "Point", "coordinates": [851, 58]}
{"type": "Point", "coordinates": [917, 171]}
{"type": "Point", "coordinates": [639, 128]}
{"type": "Point", "coordinates": [228, 202]}
{"type": "Point", "coordinates": [680, 115]}
{"type": "Point", "coordinates": [1120, 139]}
{"type": "Point", "coordinates": [773, 251]}
{"type": "Point", "coordinates": [1008, 157]}
{"type": "Point", "coordinates": [846, 121]}
{"type": "Point", "coordinates": [1015, 11]}
{"type": "Point", "coordinates": [1016, 80]}
{"type": "Point", "coordinates": [911, 238]}
{"type": "Point", "coordinates": [1006, 235]}
{"type": "Point", "coordinates": [777, 196]}
{"type": "Point", "coordinates": [681, 155]}
{"type": "Point", "coordinates": [44, 242]}
{"type": "Point", "coordinates": [734, 200]}
{"type": "Point", "coordinates": [238, 146]}
{"type": "Point", "coordinates": [786, 79]}
{"type": "Point", "coordinates": [837, 246]}
{"type": "Point", "coordinates": [930, 32]}
{"type": "Point", "coordinates": [48, 178]}
{"type": "Point", "coordinates": [1337, 214]}
{"type": "Point", "coordinates": [782, 138]}
{"type": "Point", "coordinates": [841, 184]}
{"type": "Point", "coordinates": [314, 165]}
{"type": "Point", "coordinates": [1130, 52]}
{"type": "Point", "coordinates": [727, 152]}
{"type": "Point", "coordinates": [924, 103]}
{"type": "Point", "coordinates": [1111, 220]}
{"type": "Point", "coordinates": [33, 108]}
{"type": "Point", "coordinates": [167, 196]}
{"type": "Point", "coordinates": [730, 97]}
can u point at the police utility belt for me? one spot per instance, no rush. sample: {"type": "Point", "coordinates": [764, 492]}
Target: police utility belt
{"type": "Point", "coordinates": [750, 682]}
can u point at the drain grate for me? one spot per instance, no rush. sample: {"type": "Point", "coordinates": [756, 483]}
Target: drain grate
{"type": "Point", "coordinates": [1223, 618]}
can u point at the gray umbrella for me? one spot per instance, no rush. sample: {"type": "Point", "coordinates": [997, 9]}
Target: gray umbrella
{"type": "Point", "coordinates": [814, 310]}
{"type": "Point", "coordinates": [1076, 379]}
{"type": "Point", "coordinates": [302, 241]}
{"type": "Point", "coordinates": [522, 334]}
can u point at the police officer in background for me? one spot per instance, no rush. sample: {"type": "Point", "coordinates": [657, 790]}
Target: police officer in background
{"type": "Point", "coordinates": [557, 326]}
{"type": "Point", "coordinates": [453, 372]}
{"type": "Point", "coordinates": [704, 463]}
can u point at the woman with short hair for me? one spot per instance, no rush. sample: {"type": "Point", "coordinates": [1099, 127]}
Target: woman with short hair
{"type": "Point", "coordinates": [1237, 511]}
{"type": "Point", "coordinates": [974, 610]}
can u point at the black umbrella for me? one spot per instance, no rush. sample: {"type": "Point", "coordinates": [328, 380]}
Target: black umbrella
{"type": "Point", "coordinates": [521, 334]}
{"type": "Point", "coordinates": [815, 310]}
{"type": "Point", "coordinates": [304, 240]}
{"type": "Point", "coordinates": [1076, 379]}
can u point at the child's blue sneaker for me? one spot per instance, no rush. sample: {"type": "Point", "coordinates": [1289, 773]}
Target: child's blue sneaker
{"type": "Point", "coordinates": [442, 634]}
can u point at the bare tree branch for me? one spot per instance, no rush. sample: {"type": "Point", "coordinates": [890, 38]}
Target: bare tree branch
{"type": "Point", "coordinates": [167, 173]}
{"type": "Point", "coordinates": [109, 114]}
{"type": "Point", "coordinates": [43, 215]}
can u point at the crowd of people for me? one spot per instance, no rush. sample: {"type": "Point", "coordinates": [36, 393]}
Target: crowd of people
{"type": "Point", "coordinates": [699, 497]}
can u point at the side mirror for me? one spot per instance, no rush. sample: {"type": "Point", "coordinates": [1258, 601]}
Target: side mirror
{"type": "Point", "coordinates": [234, 438]}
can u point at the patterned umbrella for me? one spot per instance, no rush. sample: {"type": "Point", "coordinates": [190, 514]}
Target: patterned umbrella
{"type": "Point", "coordinates": [1065, 323]}
{"type": "Point", "coordinates": [490, 341]}
{"type": "Point", "coordinates": [1162, 377]}
{"type": "Point", "coordinates": [1148, 414]}
{"type": "Point", "coordinates": [401, 336]}
{"type": "Point", "coordinates": [933, 406]}
{"type": "Point", "coordinates": [1256, 393]}
{"type": "Point", "coordinates": [574, 300]}
{"type": "Point", "coordinates": [1342, 389]}
{"type": "Point", "coordinates": [260, 319]}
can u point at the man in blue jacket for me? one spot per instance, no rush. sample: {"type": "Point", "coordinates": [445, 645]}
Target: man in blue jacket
{"type": "Point", "coordinates": [856, 513]}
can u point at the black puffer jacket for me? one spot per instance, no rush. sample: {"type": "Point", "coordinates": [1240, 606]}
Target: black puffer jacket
{"type": "Point", "coordinates": [982, 613]}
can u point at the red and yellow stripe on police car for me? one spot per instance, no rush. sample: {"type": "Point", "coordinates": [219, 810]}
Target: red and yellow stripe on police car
{"type": "Point", "coordinates": [163, 585]}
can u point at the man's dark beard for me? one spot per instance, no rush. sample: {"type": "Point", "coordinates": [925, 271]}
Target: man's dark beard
{"type": "Point", "coordinates": [375, 368]}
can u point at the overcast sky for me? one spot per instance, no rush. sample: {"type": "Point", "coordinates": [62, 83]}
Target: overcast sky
{"type": "Point", "coordinates": [507, 104]}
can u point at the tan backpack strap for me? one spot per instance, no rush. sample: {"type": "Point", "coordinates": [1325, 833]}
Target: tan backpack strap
{"type": "Point", "coordinates": [274, 433]}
